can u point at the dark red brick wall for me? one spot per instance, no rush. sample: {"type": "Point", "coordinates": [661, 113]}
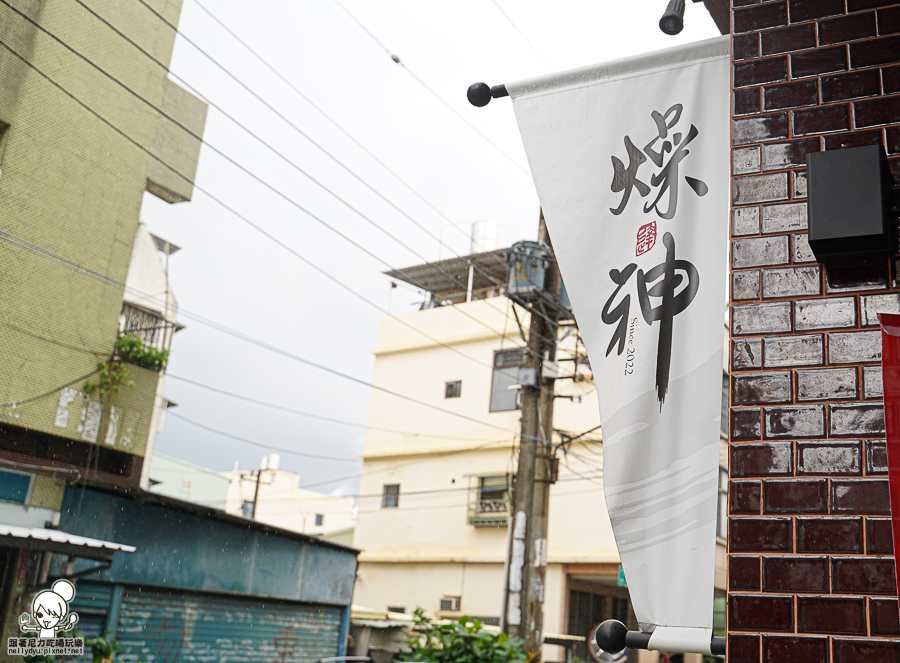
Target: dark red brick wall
{"type": "Point", "coordinates": [811, 568]}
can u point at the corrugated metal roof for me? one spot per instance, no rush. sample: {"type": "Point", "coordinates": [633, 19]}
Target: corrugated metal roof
{"type": "Point", "coordinates": [54, 539]}
{"type": "Point", "coordinates": [452, 275]}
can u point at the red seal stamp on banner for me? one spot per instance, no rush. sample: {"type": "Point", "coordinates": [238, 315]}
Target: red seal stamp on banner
{"type": "Point", "coordinates": [646, 238]}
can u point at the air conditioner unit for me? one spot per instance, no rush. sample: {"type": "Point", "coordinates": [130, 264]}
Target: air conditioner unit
{"type": "Point", "coordinates": [450, 603]}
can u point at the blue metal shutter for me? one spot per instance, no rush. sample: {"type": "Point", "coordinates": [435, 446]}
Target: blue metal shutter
{"type": "Point", "coordinates": [91, 602]}
{"type": "Point", "coordinates": [162, 627]}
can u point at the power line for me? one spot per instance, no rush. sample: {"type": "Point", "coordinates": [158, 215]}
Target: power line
{"type": "Point", "coordinates": [429, 89]}
{"type": "Point", "coordinates": [521, 34]}
{"type": "Point", "coordinates": [260, 444]}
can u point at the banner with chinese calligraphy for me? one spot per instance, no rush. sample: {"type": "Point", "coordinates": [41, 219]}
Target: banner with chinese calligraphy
{"type": "Point", "coordinates": [631, 164]}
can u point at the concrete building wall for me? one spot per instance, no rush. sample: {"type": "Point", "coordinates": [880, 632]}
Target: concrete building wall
{"type": "Point", "coordinates": [811, 568]}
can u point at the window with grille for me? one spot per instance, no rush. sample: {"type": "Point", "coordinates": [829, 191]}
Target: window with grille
{"type": "Point", "coordinates": [396, 608]}
{"type": "Point", "coordinates": [390, 496]}
{"type": "Point", "coordinates": [453, 389]}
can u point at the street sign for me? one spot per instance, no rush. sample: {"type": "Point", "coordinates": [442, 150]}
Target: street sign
{"type": "Point", "coordinates": [621, 580]}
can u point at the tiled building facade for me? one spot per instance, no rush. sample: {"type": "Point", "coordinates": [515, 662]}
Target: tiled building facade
{"type": "Point", "coordinates": [811, 567]}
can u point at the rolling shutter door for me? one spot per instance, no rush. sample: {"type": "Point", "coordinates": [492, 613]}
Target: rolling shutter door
{"type": "Point", "coordinates": [163, 627]}
{"type": "Point", "coordinates": [91, 602]}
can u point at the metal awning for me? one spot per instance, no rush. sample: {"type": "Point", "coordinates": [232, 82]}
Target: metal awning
{"type": "Point", "coordinates": [446, 276]}
{"type": "Point", "coordinates": [53, 540]}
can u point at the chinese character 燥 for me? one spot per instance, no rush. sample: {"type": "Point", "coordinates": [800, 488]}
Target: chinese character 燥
{"type": "Point", "coordinates": [665, 181]}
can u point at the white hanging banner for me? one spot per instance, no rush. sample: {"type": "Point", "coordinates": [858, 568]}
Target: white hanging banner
{"type": "Point", "coordinates": [631, 164]}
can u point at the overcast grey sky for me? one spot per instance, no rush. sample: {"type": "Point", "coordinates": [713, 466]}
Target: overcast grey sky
{"type": "Point", "coordinates": [231, 274]}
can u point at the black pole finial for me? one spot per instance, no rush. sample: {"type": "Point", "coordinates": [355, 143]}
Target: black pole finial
{"type": "Point", "coordinates": [480, 94]}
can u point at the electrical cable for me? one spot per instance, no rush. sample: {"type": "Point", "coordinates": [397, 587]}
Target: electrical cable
{"type": "Point", "coordinates": [521, 34]}
{"type": "Point", "coordinates": [428, 88]}
{"type": "Point", "coordinates": [14, 404]}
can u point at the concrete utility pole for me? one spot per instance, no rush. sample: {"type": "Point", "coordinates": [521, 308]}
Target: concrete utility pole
{"type": "Point", "coordinates": [524, 604]}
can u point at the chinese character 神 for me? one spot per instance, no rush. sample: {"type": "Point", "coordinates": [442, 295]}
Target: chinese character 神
{"type": "Point", "coordinates": [663, 280]}
{"type": "Point", "coordinates": [666, 180]}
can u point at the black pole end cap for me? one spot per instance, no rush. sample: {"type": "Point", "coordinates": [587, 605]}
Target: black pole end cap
{"type": "Point", "coordinates": [479, 94]}
{"type": "Point", "coordinates": [610, 636]}
{"type": "Point", "coordinates": [672, 22]}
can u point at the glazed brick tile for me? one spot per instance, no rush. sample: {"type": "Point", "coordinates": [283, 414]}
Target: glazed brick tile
{"type": "Point", "coordinates": [838, 615]}
{"type": "Point", "coordinates": [791, 95]}
{"type": "Point", "coordinates": [794, 422]}
{"type": "Point", "coordinates": [818, 61]}
{"type": "Point", "coordinates": [856, 419]}
{"type": "Point", "coordinates": [755, 612]}
{"type": "Point", "coordinates": [782, 155]}
{"type": "Point", "coordinates": [744, 498]}
{"type": "Point", "coordinates": [793, 38]}
{"type": "Point", "coordinates": [876, 458]}
{"type": "Point", "coordinates": [892, 140]}
{"type": "Point", "coordinates": [759, 534]}
{"type": "Point", "coordinates": [860, 496]}
{"type": "Point", "coordinates": [795, 574]}
{"type": "Point", "coordinates": [825, 384]}
{"type": "Point", "coordinates": [757, 129]}
{"type": "Point", "coordinates": [793, 351]}
{"type": "Point", "coordinates": [746, 353]}
{"type": "Point", "coordinates": [759, 188]}
{"type": "Point", "coordinates": [870, 305]}
{"type": "Point", "coordinates": [743, 573]}
{"type": "Point", "coordinates": [745, 221]}
{"type": "Point", "coordinates": [743, 648]}
{"type": "Point", "coordinates": [804, 496]}
{"type": "Point", "coordinates": [745, 160]}
{"type": "Point", "coordinates": [807, 10]}
{"type": "Point", "coordinates": [824, 313]}
{"type": "Point", "coordinates": [745, 47]}
{"type": "Point", "coordinates": [856, 277]}
{"type": "Point", "coordinates": [757, 72]}
{"type": "Point", "coordinates": [829, 535]}
{"type": "Point", "coordinates": [769, 15]}
{"type": "Point", "coordinates": [860, 5]}
{"type": "Point", "coordinates": [883, 617]}
{"type": "Point", "coordinates": [855, 85]}
{"type": "Point", "coordinates": [747, 101]}
{"type": "Point", "coordinates": [866, 651]}
{"type": "Point", "coordinates": [745, 424]}
{"type": "Point", "coordinates": [821, 120]}
{"type": "Point", "coordinates": [761, 460]}
{"type": "Point", "coordinates": [798, 187]}
{"type": "Point", "coordinates": [759, 251]}
{"type": "Point", "coordinates": [873, 384]}
{"type": "Point", "coordinates": [795, 649]}
{"type": "Point", "coordinates": [875, 52]}
{"type": "Point", "coordinates": [847, 28]}
{"type": "Point", "coordinates": [889, 21]}
{"type": "Point", "coordinates": [759, 388]}
{"type": "Point", "coordinates": [854, 347]}
{"type": "Point", "coordinates": [828, 458]}
{"type": "Point", "coordinates": [890, 79]}
{"type": "Point", "coordinates": [853, 139]}
{"type": "Point", "coordinates": [879, 535]}
{"type": "Point", "coordinates": [875, 112]}
{"type": "Point", "coordinates": [761, 318]}
{"type": "Point", "coordinates": [784, 218]}
{"type": "Point", "coordinates": [800, 243]}
{"type": "Point", "coordinates": [745, 285]}
{"type": "Point", "coordinates": [791, 282]}
{"type": "Point", "coordinates": [863, 575]}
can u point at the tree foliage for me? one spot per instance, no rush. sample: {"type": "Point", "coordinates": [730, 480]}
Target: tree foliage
{"type": "Point", "coordinates": [461, 641]}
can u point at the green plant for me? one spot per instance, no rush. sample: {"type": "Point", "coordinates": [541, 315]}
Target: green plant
{"type": "Point", "coordinates": [461, 641]}
{"type": "Point", "coordinates": [129, 349]}
{"type": "Point", "coordinates": [103, 647]}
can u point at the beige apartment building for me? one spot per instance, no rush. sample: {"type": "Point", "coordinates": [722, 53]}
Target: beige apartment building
{"type": "Point", "coordinates": [434, 497]}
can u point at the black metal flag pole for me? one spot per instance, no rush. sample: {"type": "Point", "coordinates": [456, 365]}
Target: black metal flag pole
{"type": "Point", "coordinates": [480, 94]}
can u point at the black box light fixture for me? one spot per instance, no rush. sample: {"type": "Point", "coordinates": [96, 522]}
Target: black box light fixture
{"type": "Point", "coordinates": [848, 204]}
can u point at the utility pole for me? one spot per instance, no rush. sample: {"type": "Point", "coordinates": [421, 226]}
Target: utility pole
{"type": "Point", "coordinates": [527, 564]}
